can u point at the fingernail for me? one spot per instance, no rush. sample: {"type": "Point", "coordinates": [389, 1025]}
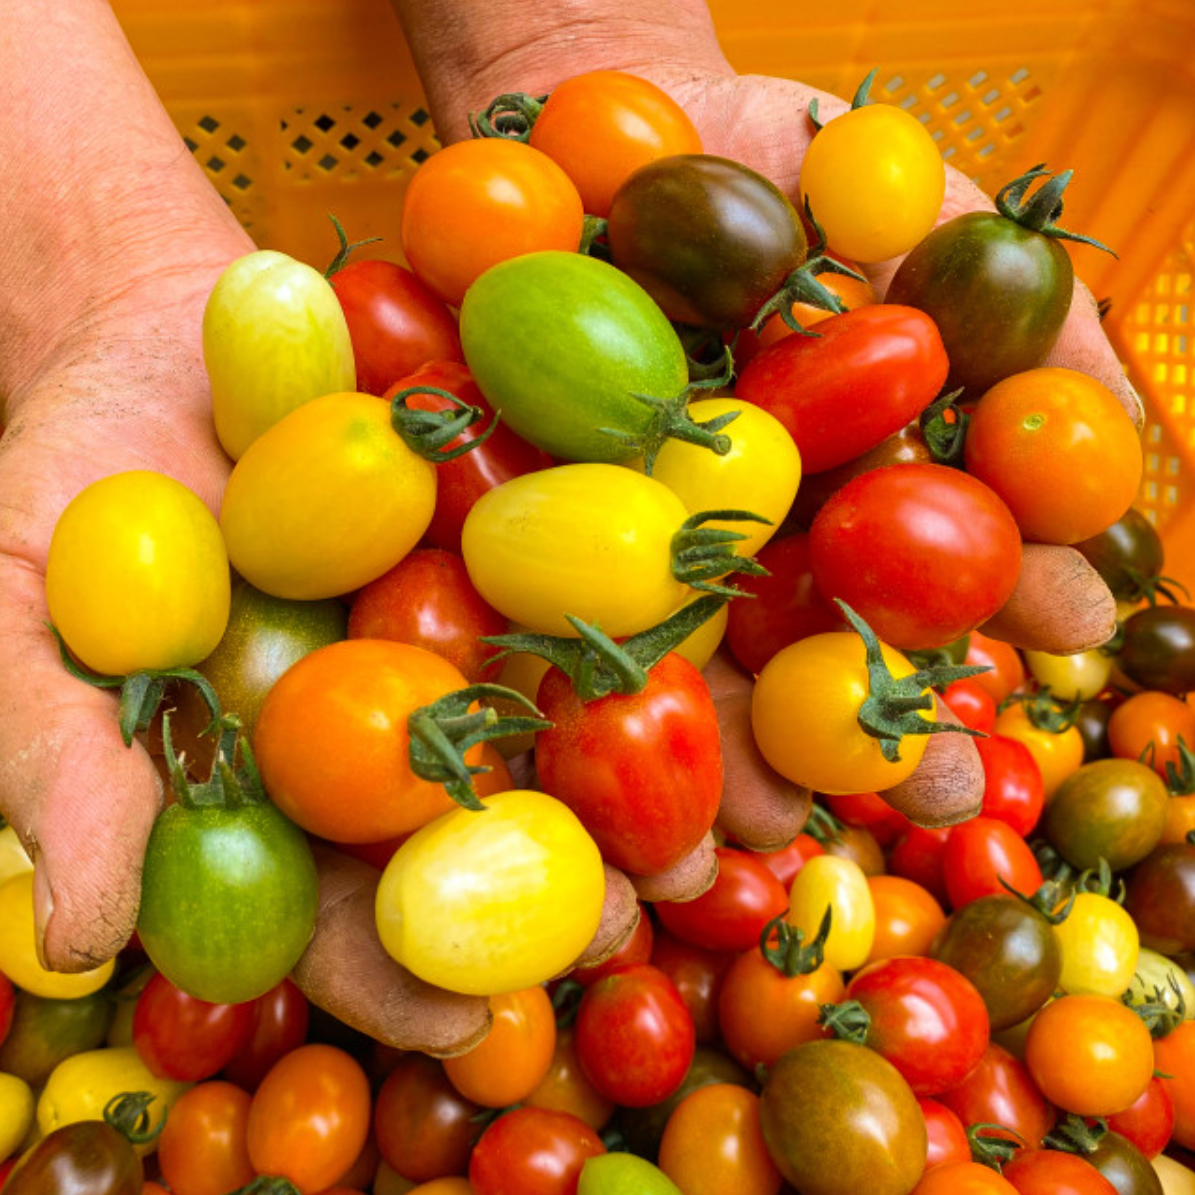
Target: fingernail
{"type": "Point", "coordinates": [1134, 399]}
{"type": "Point", "coordinates": [43, 910]}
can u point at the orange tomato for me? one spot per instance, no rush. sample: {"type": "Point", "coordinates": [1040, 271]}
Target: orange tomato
{"type": "Point", "coordinates": [203, 1148]}
{"type": "Point", "coordinates": [907, 917]}
{"type": "Point", "coordinates": [1056, 753]}
{"type": "Point", "coordinates": [566, 1088]}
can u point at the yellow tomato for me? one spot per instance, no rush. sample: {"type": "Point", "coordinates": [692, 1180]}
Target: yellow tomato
{"type": "Point", "coordinates": [326, 500]}
{"type": "Point", "coordinates": [1176, 1179]}
{"type": "Point", "coordinates": [839, 884]}
{"type": "Point", "coordinates": [80, 1087]}
{"type": "Point", "coordinates": [495, 900]}
{"type": "Point", "coordinates": [1156, 973]}
{"type": "Point", "coordinates": [1057, 753]}
{"type": "Point", "coordinates": [1099, 943]}
{"type": "Point", "coordinates": [16, 1113]}
{"type": "Point", "coordinates": [18, 949]}
{"type": "Point", "coordinates": [13, 858]}
{"type": "Point", "coordinates": [699, 646]}
{"type": "Point", "coordinates": [137, 575]}
{"type": "Point", "coordinates": [1082, 675]}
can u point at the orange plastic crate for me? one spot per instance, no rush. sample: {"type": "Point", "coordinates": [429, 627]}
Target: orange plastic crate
{"type": "Point", "coordinates": [303, 108]}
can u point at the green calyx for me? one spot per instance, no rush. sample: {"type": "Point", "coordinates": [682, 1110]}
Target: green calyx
{"type": "Point", "coordinates": [1044, 711]}
{"type": "Point", "coordinates": [228, 786]}
{"type": "Point", "coordinates": [1160, 1014]}
{"type": "Point", "coordinates": [346, 248]}
{"type": "Point", "coordinates": [944, 426]}
{"type": "Point", "coordinates": [268, 1184]}
{"type": "Point", "coordinates": [1040, 213]}
{"type": "Point", "coordinates": [861, 97]}
{"type": "Point", "coordinates": [789, 953]}
{"type": "Point", "coordinates": [1099, 881]}
{"type": "Point", "coordinates": [1053, 900]}
{"type": "Point", "coordinates": [441, 733]}
{"type": "Point", "coordinates": [993, 1144]}
{"type": "Point", "coordinates": [141, 693]}
{"type": "Point", "coordinates": [893, 706]}
{"type": "Point", "coordinates": [848, 1021]}
{"type": "Point", "coordinates": [1074, 1135]}
{"type": "Point", "coordinates": [595, 664]}
{"type": "Point", "coordinates": [128, 1114]}
{"type": "Point", "coordinates": [428, 432]}
{"type": "Point", "coordinates": [822, 826]}
{"type": "Point", "coordinates": [700, 554]}
{"type": "Point", "coordinates": [1149, 588]}
{"type": "Point", "coordinates": [510, 116]}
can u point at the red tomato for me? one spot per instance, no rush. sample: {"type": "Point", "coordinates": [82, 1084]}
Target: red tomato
{"type": "Point", "coordinates": [395, 322]}
{"type": "Point", "coordinates": [785, 605]}
{"type": "Point", "coordinates": [731, 914]}
{"type": "Point", "coordinates": [203, 1147]}
{"type": "Point", "coordinates": [601, 126]}
{"type": "Point", "coordinates": [946, 1135]}
{"type": "Point", "coordinates": [532, 1151]}
{"type": "Point", "coordinates": [642, 771]}
{"type": "Point", "coordinates": [869, 811]}
{"type": "Point", "coordinates": [918, 855]}
{"type": "Point", "coordinates": [971, 703]}
{"type": "Point", "coordinates": [1054, 1172]}
{"type": "Point", "coordinates": [500, 198]}
{"type": "Point", "coordinates": [1001, 1091]}
{"type": "Point", "coordinates": [923, 553]}
{"type": "Point", "coordinates": [1148, 1121]}
{"type": "Point", "coordinates": [925, 1017]}
{"type": "Point", "coordinates": [698, 974]}
{"type": "Point", "coordinates": [1006, 668]}
{"type": "Point", "coordinates": [427, 600]}
{"type": "Point", "coordinates": [460, 481]}
{"type": "Point", "coordinates": [865, 375]}
{"type": "Point", "coordinates": [635, 1035]}
{"type": "Point", "coordinates": [1013, 789]}
{"type": "Point", "coordinates": [181, 1037]}
{"type": "Point", "coordinates": [280, 1020]}
{"type": "Point", "coordinates": [310, 1116]}
{"type": "Point", "coordinates": [982, 852]}
{"type": "Point", "coordinates": [786, 861]}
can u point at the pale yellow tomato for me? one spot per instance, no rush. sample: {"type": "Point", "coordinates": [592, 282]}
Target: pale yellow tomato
{"type": "Point", "coordinates": [1100, 943]}
{"type": "Point", "coordinates": [16, 1113]}
{"type": "Point", "coordinates": [839, 884]}
{"type": "Point", "coordinates": [1080, 676]}
{"type": "Point", "coordinates": [1160, 977]}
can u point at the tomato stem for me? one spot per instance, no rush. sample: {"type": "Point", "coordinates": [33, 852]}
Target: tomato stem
{"type": "Point", "coordinates": [342, 254]}
{"type": "Point", "coordinates": [128, 1114]}
{"type": "Point", "coordinates": [700, 554]}
{"type": "Point", "coordinates": [789, 954]}
{"type": "Point", "coordinates": [510, 116]}
{"type": "Point", "coordinates": [428, 432]}
{"type": "Point", "coordinates": [1040, 213]}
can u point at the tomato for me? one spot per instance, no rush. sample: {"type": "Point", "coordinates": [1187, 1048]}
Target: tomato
{"type": "Point", "coordinates": [590, 540]}
{"type": "Point", "coordinates": [19, 961]}
{"type": "Point", "coordinates": [16, 1115]}
{"type": "Point", "coordinates": [866, 811]}
{"type": "Point", "coordinates": [863, 377]}
{"type": "Point", "coordinates": [1157, 648]}
{"type": "Point", "coordinates": [946, 1134]}
{"type": "Point", "coordinates": [837, 1091]}
{"type": "Point", "coordinates": [917, 855]}
{"type": "Point", "coordinates": [759, 473]}
{"type": "Point", "coordinates": [982, 856]}
{"type": "Point", "coordinates": [600, 126]}
{"type": "Point", "coordinates": [635, 1035]}
{"type": "Point", "coordinates": [1111, 809]}
{"type": "Point", "coordinates": [395, 322]}
{"type": "Point", "coordinates": [1148, 1121]}
{"type": "Point", "coordinates": [1077, 677]}
{"type": "Point", "coordinates": [839, 884]}
{"type": "Point", "coordinates": [91, 1156]}
{"type": "Point", "coordinates": [1089, 1054]}
{"type": "Point", "coordinates": [532, 1151]}
{"type": "Point", "coordinates": [771, 1003]}
{"type": "Point", "coordinates": [642, 770]}
{"type": "Point", "coordinates": [713, 1143]}
{"type": "Point", "coordinates": [309, 1117]}
{"type": "Point", "coordinates": [496, 900]}
{"type": "Point", "coordinates": [908, 917]}
{"type": "Point", "coordinates": [971, 703]}
{"type": "Point", "coordinates": [333, 738]}
{"type": "Point", "coordinates": [1099, 946]}
{"type": "Point", "coordinates": [203, 1150]}
{"type": "Point", "coordinates": [502, 199]}
{"type": "Point", "coordinates": [137, 575]}
{"type": "Point", "coordinates": [425, 1128]}
{"type": "Point", "coordinates": [181, 1037]}
{"type": "Point", "coordinates": [1122, 1164]}
{"type": "Point", "coordinates": [963, 1178]}
{"type": "Point", "coordinates": [513, 1057]}
{"type": "Point", "coordinates": [1006, 665]}
{"type": "Point", "coordinates": [1160, 897]}
{"type": "Point", "coordinates": [731, 914]}
{"type": "Point", "coordinates": [923, 553]}
{"type": "Point", "coordinates": [637, 948]}
{"type": "Point", "coordinates": [46, 1030]}
{"type": "Point", "coordinates": [1128, 554]}
{"type": "Point", "coordinates": [495, 452]}
{"type": "Point", "coordinates": [709, 239]}
{"type": "Point", "coordinates": [1013, 791]}
{"type": "Point", "coordinates": [1057, 752]}
{"type": "Point", "coordinates": [623, 1173]}
{"type": "Point", "coordinates": [1054, 1172]}
{"type": "Point", "coordinates": [565, 1086]}
{"type": "Point", "coordinates": [874, 180]}
{"type": "Point", "coordinates": [280, 1020]}
{"type": "Point", "coordinates": [1149, 726]}
{"type": "Point", "coordinates": [1174, 1058]}
{"type": "Point", "coordinates": [698, 974]}
{"type": "Point", "coordinates": [1061, 451]}
{"type": "Point", "coordinates": [1009, 951]}
{"type": "Point", "coordinates": [274, 337]}
{"type": "Point", "coordinates": [1001, 1091]}
{"type": "Point", "coordinates": [925, 1017]}
{"type": "Point", "coordinates": [805, 715]}
{"type": "Point", "coordinates": [1159, 979]}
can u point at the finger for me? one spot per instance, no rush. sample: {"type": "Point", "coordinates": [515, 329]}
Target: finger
{"type": "Point", "coordinates": [620, 915]}
{"type": "Point", "coordinates": [686, 880]}
{"type": "Point", "coordinates": [1060, 605]}
{"type": "Point", "coordinates": [947, 786]}
{"type": "Point", "coordinates": [346, 971]}
{"type": "Point", "coordinates": [82, 802]}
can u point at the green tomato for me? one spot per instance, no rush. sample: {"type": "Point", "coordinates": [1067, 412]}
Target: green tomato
{"type": "Point", "coordinates": [45, 1031]}
{"type": "Point", "coordinates": [562, 344]}
{"type": "Point", "coordinates": [274, 336]}
{"type": "Point", "coordinates": [623, 1174]}
{"type": "Point", "coordinates": [137, 575]}
{"type": "Point", "coordinates": [494, 900]}
{"type": "Point", "coordinates": [228, 899]}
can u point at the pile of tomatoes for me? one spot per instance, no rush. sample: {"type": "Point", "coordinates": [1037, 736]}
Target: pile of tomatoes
{"type": "Point", "coordinates": [604, 599]}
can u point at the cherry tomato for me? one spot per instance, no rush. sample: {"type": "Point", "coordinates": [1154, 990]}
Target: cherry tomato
{"type": "Point", "coordinates": [1077, 677]}
{"type": "Point", "coordinates": [963, 1178]}
{"type": "Point", "coordinates": [600, 126]}
{"type": "Point", "coordinates": [1100, 946]}
{"type": "Point", "coordinates": [636, 949]}
{"type": "Point", "coordinates": [566, 1088]}
{"type": "Point", "coordinates": [203, 1148]}
{"type": "Point", "coordinates": [309, 1117]}
{"type": "Point", "coordinates": [838, 884]}
{"type": "Point", "coordinates": [1054, 1172]}
{"type": "Point", "coordinates": [971, 703]}
{"type": "Point", "coordinates": [1174, 1057]}
{"type": "Point", "coordinates": [1013, 791]}
{"type": "Point", "coordinates": [1058, 752]}
{"type": "Point", "coordinates": [635, 1035]}
{"type": "Point", "coordinates": [945, 1133]}
{"type": "Point", "coordinates": [917, 855]}
{"type": "Point", "coordinates": [1157, 648]}
{"type": "Point", "coordinates": [1160, 897]}
{"type": "Point", "coordinates": [1006, 666]}
{"type": "Point", "coordinates": [1148, 1121]}
{"type": "Point", "coordinates": [698, 974]}
{"type": "Point", "coordinates": [1128, 554]}
{"type": "Point", "coordinates": [1001, 1091]}
{"type": "Point", "coordinates": [908, 917]}
{"type": "Point", "coordinates": [280, 1021]}
{"type": "Point", "coordinates": [786, 861]}
{"type": "Point", "coordinates": [500, 198]}
{"type": "Point", "coordinates": [532, 1151]}
{"type": "Point", "coordinates": [1149, 726]}
{"type": "Point", "coordinates": [88, 1156]}
{"type": "Point", "coordinates": [983, 855]}
{"type": "Point", "coordinates": [867, 811]}
{"type": "Point", "coordinates": [1061, 451]}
